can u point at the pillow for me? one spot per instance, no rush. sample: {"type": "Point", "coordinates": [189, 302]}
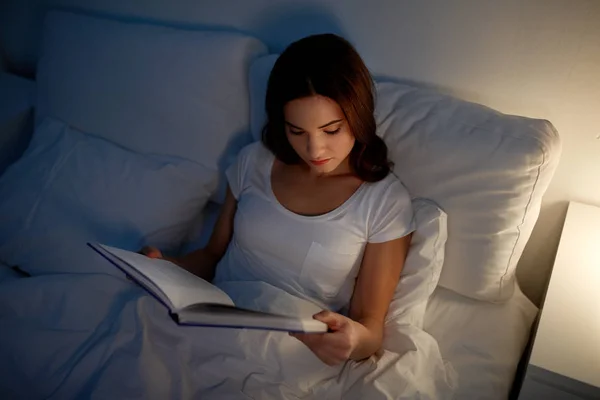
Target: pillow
{"type": "Point", "coordinates": [70, 188]}
{"type": "Point", "coordinates": [487, 170]}
{"type": "Point", "coordinates": [202, 228]}
{"type": "Point", "coordinates": [423, 265]}
{"type": "Point", "coordinates": [16, 111]}
{"type": "Point", "coordinates": [152, 89]}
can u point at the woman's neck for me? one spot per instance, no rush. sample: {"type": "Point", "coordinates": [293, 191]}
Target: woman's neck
{"type": "Point", "coordinates": [343, 169]}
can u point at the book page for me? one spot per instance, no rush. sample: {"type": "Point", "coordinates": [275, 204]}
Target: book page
{"type": "Point", "coordinates": [180, 286]}
{"type": "Point", "coordinates": [134, 275]}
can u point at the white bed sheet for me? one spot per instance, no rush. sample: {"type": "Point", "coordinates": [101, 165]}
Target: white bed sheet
{"type": "Point", "coordinates": [483, 341]}
{"type": "Point", "coordinates": [93, 336]}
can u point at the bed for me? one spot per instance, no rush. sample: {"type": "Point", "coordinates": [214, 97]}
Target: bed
{"type": "Point", "coordinates": [131, 137]}
{"type": "Point", "coordinates": [483, 342]}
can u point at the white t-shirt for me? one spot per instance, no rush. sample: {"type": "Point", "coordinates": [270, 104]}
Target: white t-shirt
{"type": "Point", "coordinates": [312, 257]}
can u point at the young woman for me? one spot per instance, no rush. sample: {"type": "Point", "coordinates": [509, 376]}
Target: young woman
{"type": "Point", "coordinates": [314, 209]}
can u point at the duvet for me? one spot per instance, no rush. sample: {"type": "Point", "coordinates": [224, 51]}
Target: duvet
{"type": "Point", "coordinates": [97, 336]}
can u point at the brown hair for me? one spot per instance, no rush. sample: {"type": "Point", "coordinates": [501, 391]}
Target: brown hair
{"type": "Point", "coordinates": [329, 66]}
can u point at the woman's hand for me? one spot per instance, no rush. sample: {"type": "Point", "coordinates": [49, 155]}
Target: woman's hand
{"type": "Point", "coordinates": [336, 346]}
{"type": "Point", "coordinates": [151, 252]}
{"type": "Point", "coordinates": [195, 262]}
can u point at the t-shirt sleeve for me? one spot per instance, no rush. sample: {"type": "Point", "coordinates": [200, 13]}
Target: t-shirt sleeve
{"type": "Point", "coordinates": [237, 173]}
{"type": "Point", "coordinates": [393, 216]}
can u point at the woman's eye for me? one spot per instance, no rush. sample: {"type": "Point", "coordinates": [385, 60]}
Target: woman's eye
{"type": "Point", "coordinates": [332, 132]}
{"type": "Point", "coordinates": [296, 132]}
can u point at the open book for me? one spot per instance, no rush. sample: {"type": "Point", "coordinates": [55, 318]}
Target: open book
{"type": "Point", "coordinates": [192, 300]}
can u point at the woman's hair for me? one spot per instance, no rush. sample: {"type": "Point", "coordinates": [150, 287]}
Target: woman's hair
{"type": "Point", "coordinates": [329, 66]}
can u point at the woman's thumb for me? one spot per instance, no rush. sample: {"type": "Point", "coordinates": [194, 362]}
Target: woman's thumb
{"type": "Point", "coordinates": [333, 320]}
{"type": "Point", "coordinates": [151, 252]}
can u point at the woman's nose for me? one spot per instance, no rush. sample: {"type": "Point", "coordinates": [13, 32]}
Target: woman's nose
{"type": "Point", "coordinates": [314, 146]}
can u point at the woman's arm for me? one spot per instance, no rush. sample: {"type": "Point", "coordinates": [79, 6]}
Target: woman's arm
{"type": "Point", "coordinates": [203, 262]}
{"type": "Point", "coordinates": [378, 277]}
{"type": "Point", "coordinates": [360, 336]}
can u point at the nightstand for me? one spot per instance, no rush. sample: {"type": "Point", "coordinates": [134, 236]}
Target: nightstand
{"type": "Point", "coordinates": [565, 358]}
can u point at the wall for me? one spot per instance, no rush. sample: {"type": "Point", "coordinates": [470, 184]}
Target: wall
{"type": "Point", "coordinates": [539, 58]}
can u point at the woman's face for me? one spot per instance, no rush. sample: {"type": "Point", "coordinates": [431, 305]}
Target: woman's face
{"type": "Point", "coordinates": [318, 131]}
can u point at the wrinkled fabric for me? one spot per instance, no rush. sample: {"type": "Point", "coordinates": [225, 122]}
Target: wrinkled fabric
{"type": "Point", "coordinates": [98, 336]}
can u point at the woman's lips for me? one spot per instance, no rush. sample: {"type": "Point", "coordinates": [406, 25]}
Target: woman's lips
{"type": "Point", "coordinates": [320, 162]}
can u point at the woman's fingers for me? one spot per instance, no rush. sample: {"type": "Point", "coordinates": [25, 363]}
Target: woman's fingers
{"type": "Point", "coordinates": [333, 320]}
{"type": "Point", "coordinates": [151, 252]}
{"type": "Point", "coordinates": [331, 348]}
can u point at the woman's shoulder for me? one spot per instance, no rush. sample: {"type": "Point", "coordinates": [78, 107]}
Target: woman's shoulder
{"type": "Point", "coordinates": [248, 170]}
{"type": "Point", "coordinates": [389, 188]}
{"type": "Point", "coordinates": [254, 150]}
{"type": "Point", "coordinates": [254, 155]}
{"type": "Point", "coordinates": [390, 210]}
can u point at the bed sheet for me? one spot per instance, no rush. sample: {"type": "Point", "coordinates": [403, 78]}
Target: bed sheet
{"type": "Point", "coordinates": [483, 341]}
{"type": "Point", "coordinates": [7, 273]}
{"type": "Point", "coordinates": [467, 346]}
{"type": "Point", "coordinates": [94, 336]}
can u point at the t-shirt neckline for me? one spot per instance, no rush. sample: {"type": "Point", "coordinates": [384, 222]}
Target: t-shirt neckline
{"type": "Point", "coordinates": [328, 215]}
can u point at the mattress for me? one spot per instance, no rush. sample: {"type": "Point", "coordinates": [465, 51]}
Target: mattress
{"type": "Point", "coordinates": [483, 341]}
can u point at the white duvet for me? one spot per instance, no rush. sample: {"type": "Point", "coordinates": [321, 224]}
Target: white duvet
{"type": "Point", "coordinates": [98, 336]}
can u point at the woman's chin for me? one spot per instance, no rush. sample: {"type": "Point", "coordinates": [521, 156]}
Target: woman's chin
{"type": "Point", "coordinates": [321, 170]}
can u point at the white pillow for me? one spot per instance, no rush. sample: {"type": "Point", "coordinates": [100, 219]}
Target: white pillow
{"type": "Point", "coordinates": [202, 228]}
{"type": "Point", "coordinates": [152, 89]}
{"type": "Point", "coordinates": [70, 188]}
{"type": "Point", "coordinates": [16, 110]}
{"type": "Point", "coordinates": [487, 170]}
{"type": "Point", "coordinates": [423, 265]}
